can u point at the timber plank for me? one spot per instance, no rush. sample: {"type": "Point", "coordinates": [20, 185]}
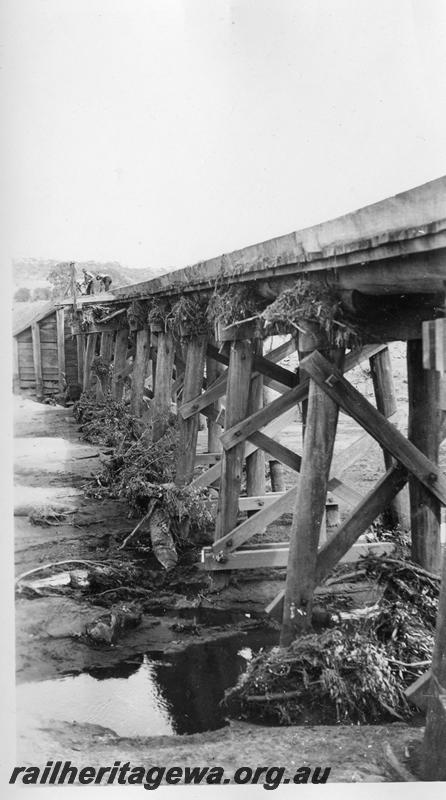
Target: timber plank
{"type": "Point", "coordinates": [277, 557]}
{"type": "Point", "coordinates": [343, 393]}
{"type": "Point", "coordinates": [24, 338]}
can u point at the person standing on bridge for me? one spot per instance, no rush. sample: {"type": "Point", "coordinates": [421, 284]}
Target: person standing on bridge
{"type": "Point", "coordinates": [105, 282]}
{"type": "Point", "coordinates": [88, 281]}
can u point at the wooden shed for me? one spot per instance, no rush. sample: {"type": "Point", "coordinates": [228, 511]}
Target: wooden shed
{"type": "Point", "coordinates": [45, 353]}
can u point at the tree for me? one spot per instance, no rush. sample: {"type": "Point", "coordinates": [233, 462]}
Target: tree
{"type": "Point", "coordinates": [60, 280]}
{"type": "Point", "coordinates": [22, 295]}
{"type": "Point", "coordinates": [41, 293]}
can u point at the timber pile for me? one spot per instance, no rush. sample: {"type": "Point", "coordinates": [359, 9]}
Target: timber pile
{"type": "Point", "coordinates": [356, 671]}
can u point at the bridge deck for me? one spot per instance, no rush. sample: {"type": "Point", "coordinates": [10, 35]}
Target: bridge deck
{"type": "Point", "coordinates": [362, 250]}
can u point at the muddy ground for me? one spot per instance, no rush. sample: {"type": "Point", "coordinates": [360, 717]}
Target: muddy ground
{"type": "Point", "coordinates": [179, 613]}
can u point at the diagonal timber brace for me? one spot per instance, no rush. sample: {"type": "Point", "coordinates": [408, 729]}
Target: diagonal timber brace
{"type": "Point", "coordinates": [238, 433]}
{"type": "Point", "coordinates": [218, 388]}
{"type": "Point", "coordinates": [286, 456]}
{"type": "Point", "coordinates": [342, 392]}
{"type": "Point", "coordinates": [261, 519]}
{"type": "Point", "coordinates": [354, 526]}
{"type": "Point", "coordinates": [265, 366]}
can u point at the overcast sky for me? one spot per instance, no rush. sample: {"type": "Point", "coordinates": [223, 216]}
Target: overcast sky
{"type": "Point", "coordinates": [161, 132]}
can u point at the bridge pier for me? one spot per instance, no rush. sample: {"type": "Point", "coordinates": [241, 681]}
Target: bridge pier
{"type": "Point", "coordinates": [163, 384]}
{"type": "Point", "coordinates": [309, 511]}
{"type": "Point", "coordinates": [255, 463]}
{"type": "Point", "coordinates": [188, 428]}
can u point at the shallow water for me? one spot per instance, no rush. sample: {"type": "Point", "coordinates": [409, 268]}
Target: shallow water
{"type": "Point", "coordinates": [150, 694]}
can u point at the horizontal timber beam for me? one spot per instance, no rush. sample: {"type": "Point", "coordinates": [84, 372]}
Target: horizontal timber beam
{"type": "Point", "coordinates": [207, 458]}
{"type": "Point", "coordinates": [282, 505]}
{"type": "Point", "coordinates": [251, 558]}
{"type": "Point", "coordinates": [255, 503]}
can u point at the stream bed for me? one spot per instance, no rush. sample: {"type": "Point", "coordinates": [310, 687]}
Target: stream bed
{"type": "Point", "coordinates": [151, 694]}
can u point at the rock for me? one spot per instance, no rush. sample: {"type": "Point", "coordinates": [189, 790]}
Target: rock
{"type": "Point", "coordinates": [79, 579]}
{"type": "Point", "coordinates": [107, 628]}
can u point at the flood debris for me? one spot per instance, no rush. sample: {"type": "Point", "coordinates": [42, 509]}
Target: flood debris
{"type": "Point", "coordinates": [186, 627]}
{"type": "Point", "coordinates": [108, 628]}
{"type": "Point", "coordinates": [356, 671]}
{"type": "Point", "coordinates": [77, 578]}
{"type": "Point", "coordinates": [157, 524]}
{"type": "Point", "coordinates": [141, 472]}
{"type": "Point", "coordinates": [47, 515]}
{"type": "Point", "coordinates": [59, 579]}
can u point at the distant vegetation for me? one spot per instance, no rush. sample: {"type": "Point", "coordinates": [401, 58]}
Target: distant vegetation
{"type": "Point", "coordinates": [32, 282]}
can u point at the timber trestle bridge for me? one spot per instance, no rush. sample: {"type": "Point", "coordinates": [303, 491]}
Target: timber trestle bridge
{"type": "Point", "coordinates": [337, 293]}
